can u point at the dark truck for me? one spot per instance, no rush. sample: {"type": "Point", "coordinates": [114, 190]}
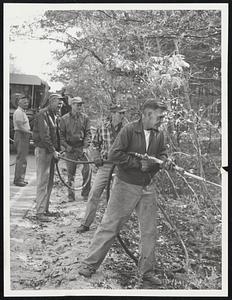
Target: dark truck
{"type": "Point", "coordinates": [34, 88]}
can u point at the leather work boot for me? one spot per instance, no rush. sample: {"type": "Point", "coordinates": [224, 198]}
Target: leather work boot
{"type": "Point", "coordinates": [82, 229]}
{"type": "Point", "coordinates": [20, 183]}
{"type": "Point", "coordinates": [42, 218]}
{"type": "Point", "coordinates": [149, 281]}
{"type": "Point", "coordinates": [52, 214]}
{"type": "Point", "coordinates": [86, 270]}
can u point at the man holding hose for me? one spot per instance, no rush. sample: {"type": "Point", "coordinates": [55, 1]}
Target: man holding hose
{"type": "Point", "coordinates": [133, 190]}
{"type": "Point", "coordinates": [102, 141]}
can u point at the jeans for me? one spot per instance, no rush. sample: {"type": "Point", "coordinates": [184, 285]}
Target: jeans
{"type": "Point", "coordinates": [22, 145]}
{"type": "Point", "coordinates": [123, 200]}
{"type": "Point", "coordinates": [96, 191]}
{"type": "Point", "coordinates": [45, 177]}
{"type": "Point", "coordinates": [71, 169]}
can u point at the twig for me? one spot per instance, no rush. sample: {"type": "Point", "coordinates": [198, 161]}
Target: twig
{"type": "Point", "coordinates": [173, 184]}
{"type": "Point", "coordinates": [182, 153]}
{"type": "Point", "coordinates": [207, 79]}
{"type": "Point", "coordinates": [108, 15]}
{"type": "Point", "coordinates": [189, 186]}
{"type": "Point", "coordinates": [178, 235]}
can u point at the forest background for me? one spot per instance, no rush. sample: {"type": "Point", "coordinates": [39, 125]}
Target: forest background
{"type": "Point", "coordinates": [175, 56]}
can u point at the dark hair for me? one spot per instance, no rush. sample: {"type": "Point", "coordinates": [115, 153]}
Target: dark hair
{"type": "Point", "coordinates": [153, 104]}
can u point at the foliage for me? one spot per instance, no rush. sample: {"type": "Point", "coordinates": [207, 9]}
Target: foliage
{"type": "Point", "coordinates": [128, 56]}
{"type": "Point", "coordinates": [122, 52]}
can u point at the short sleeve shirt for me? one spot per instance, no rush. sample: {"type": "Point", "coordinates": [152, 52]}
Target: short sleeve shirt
{"type": "Point", "coordinates": [20, 117]}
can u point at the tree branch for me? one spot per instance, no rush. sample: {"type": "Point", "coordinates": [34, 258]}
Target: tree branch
{"type": "Point", "coordinates": [75, 46]}
{"type": "Point", "coordinates": [109, 16]}
{"type": "Point", "coordinates": [207, 79]}
{"type": "Point", "coordinates": [95, 55]}
{"type": "Point", "coordinates": [174, 36]}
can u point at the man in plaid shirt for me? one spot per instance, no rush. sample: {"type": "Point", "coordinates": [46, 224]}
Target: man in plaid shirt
{"type": "Point", "coordinates": [102, 141]}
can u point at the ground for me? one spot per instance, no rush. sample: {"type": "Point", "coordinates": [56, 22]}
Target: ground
{"type": "Point", "coordinates": [47, 255]}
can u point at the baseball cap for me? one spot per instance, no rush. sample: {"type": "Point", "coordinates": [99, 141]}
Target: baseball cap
{"type": "Point", "coordinates": [76, 100]}
{"type": "Point", "coordinates": [54, 96]}
{"type": "Point", "coordinates": [154, 104]}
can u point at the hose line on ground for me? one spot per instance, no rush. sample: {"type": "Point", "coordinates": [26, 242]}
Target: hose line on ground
{"type": "Point", "coordinates": [125, 248]}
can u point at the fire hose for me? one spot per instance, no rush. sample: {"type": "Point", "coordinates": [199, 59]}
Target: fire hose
{"type": "Point", "coordinates": [141, 156]}
{"type": "Point", "coordinates": [175, 167]}
{"type": "Point", "coordinates": [76, 162]}
{"type": "Point", "coordinates": [128, 252]}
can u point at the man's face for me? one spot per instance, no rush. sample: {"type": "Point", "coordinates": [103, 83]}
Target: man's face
{"type": "Point", "coordinates": [56, 105]}
{"type": "Point", "coordinates": [76, 107]}
{"type": "Point", "coordinates": [152, 119]}
{"type": "Point", "coordinates": [117, 117]}
{"type": "Point", "coordinates": [23, 103]}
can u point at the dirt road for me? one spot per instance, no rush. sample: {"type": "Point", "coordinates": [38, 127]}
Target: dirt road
{"type": "Point", "coordinates": [47, 255]}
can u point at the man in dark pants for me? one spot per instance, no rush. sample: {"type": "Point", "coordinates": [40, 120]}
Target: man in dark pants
{"type": "Point", "coordinates": [21, 138]}
{"type": "Point", "coordinates": [133, 189]}
{"type": "Point", "coordinates": [75, 137]}
{"type": "Point", "coordinates": [46, 138]}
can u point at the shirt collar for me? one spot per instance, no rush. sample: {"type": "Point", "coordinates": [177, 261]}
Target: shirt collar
{"type": "Point", "coordinates": [74, 116]}
{"type": "Point", "coordinates": [139, 127]}
{"type": "Point", "coordinates": [51, 113]}
{"type": "Point", "coordinates": [109, 124]}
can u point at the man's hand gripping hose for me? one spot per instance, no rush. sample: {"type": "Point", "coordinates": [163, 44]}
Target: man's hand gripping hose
{"type": "Point", "coordinates": [170, 165]}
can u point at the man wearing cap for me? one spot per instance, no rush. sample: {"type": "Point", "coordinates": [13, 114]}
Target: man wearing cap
{"type": "Point", "coordinates": [21, 138]}
{"type": "Point", "coordinates": [102, 141]}
{"type": "Point", "coordinates": [133, 189]}
{"type": "Point", "coordinates": [46, 138]}
{"type": "Point", "coordinates": [75, 137]}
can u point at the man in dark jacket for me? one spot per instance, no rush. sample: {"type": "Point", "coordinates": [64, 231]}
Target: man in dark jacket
{"type": "Point", "coordinates": [133, 189]}
{"type": "Point", "coordinates": [46, 139]}
{"type": "Point", "coordinates": [75, 137]}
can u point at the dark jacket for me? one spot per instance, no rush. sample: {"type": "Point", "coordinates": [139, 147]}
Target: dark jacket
{"type": "Point", "coordinates": [131, 139]}
{"type": "Point", "coordinates": [45, 130]}
{"type": "Point", "coordinates": [75, 130]}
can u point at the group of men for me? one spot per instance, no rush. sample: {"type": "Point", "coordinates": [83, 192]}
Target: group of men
{"type": "Point", "coordinates": [113, 141]}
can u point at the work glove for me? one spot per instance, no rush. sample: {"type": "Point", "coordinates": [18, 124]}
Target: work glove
{"type": "Point", "coordinates": [98, 162]}
{"type": "Point", "coordinates": [146, 165]}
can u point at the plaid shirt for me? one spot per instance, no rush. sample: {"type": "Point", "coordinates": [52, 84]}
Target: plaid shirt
{"type": "Point", "coordinates": [104, 137]}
